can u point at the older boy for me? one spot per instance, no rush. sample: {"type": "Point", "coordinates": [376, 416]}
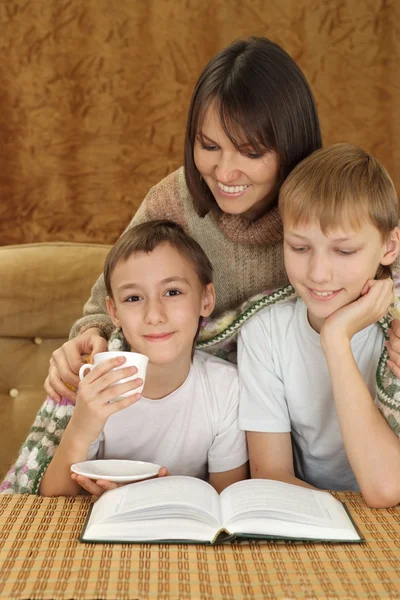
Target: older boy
{"type": "Point", "coordinates": [159, 284]}
{"type": "Point", "coordinates": [307, 364]}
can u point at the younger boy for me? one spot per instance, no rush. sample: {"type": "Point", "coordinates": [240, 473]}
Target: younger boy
{"type": "Point", "coordinates": [159, 284]}
{"type": "Point", "coordinates": [307, 364]}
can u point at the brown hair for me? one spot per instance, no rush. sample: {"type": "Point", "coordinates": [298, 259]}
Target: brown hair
{"type": "Point", "coordinates": [261, 94]}
{"type": "Point", "coordinates": [340, 186]}
{"type": "Point", "coordinates": [146, 237]}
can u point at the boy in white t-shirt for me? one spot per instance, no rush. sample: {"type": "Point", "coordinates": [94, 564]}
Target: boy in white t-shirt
{"type": "Point", "coordinates": [307, 363]}
{"type": "Point", "coordinates": [159, 284]}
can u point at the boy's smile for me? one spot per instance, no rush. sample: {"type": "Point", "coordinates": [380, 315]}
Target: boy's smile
{"type": "Point", "coordinates": [323, 295]}
{"type": "Point", "coordinates": [158, 337]}
{"type": "Point", "coordinates": [158, 300]}
{"type": "Point", "coordinates": [329, 271]}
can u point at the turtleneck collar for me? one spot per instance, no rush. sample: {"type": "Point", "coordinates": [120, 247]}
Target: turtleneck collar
{"type": "Point", "coordinates": [264, 231]}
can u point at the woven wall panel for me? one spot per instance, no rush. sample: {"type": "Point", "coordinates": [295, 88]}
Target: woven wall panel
{"type": "Point", "coordinates": [94, 95]}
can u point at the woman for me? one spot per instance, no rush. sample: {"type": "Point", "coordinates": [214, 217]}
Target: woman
{"type": "Point", "coordinates": [251, 120]}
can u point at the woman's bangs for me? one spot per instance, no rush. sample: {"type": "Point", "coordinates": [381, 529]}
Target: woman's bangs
{"type": "Point", "coordinates": [243, 125]}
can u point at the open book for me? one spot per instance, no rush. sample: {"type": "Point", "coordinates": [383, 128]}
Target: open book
{"type": "Point", "coordinates": [185, 509]}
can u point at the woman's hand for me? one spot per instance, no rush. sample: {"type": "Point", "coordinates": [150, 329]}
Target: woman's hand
{"type": "Point", "coordinates": [393, 347]}
{"type": "Point", "coordinates": [98, 487]}
{"type": "Point", "coordinates": [67, 360]}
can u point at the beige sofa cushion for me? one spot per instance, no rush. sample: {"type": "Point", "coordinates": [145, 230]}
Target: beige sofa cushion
{"type": "Point", "coordinates": [42, 291]}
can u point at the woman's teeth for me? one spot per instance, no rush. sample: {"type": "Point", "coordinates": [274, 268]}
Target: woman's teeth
{"type": "Point", "coordinates": [232, 189]}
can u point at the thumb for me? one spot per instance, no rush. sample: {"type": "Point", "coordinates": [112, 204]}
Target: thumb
{"type": "Point", "coordinates": [98, 344]}
{"type": "Point", "coordinates": [368, 284]}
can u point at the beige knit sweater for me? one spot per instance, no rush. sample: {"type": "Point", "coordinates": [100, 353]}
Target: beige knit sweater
{"type": "Point", "coordinates": [247, 256]}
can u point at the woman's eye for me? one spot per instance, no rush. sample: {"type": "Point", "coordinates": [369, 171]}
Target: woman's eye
{"type": "Point", "coordinates": [347, 252]}
{"type": "Point", "coordinates": [132, 299]}
{"type": "Point", "coordinates": [252, 155]}
{"type": "Point", "coordinates": [173, 293]}
{"type": "Point", "coordinates": [209, 147]}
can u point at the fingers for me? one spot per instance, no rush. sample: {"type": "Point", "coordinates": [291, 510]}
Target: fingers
{"type": "Point", "coordinates": [394, 368]}
{"type": "Point", "coordinates": [67, 360]}
{"type": "Point", "coordinates": [50, 391]}
{"type": "Point", "coordinates": [393, 347]}
{"type": "Point", "coordinates": [66, 366]}
{"type": "Point", "coordinates": [98, 344]}
{"type": "Point", "coordinates": [380, 287]}
{"type": "Point", "coordinates": [395, 328]}
{"type": "Point", "coordinates": [122, 403]}
{"type": "Point", "coordinates": [380, 294]}
{"type": "Point", "coordinates": [101, 385]}
{"type": "Point", "coordinates": [394, 340]}
{"type": "Point", "coordinates": [56, 386]}
{"type": "Point", "coordinates": [96, 488]}
{"type": "Point", "coordinates": [89, 342]}
{"type": "Point", "coordinates": [393, 350]}
{"type": "Point", "coordinates": [88, 485]}
{"type": "Point", "coordinates": [104, 375]}
{"type": "Point", "coordinates": [104, 371]}
{"type": "Point", "coordinates": [106, 485]}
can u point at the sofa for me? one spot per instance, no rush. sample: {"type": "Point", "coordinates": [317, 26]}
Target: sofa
{"type": "Point", "coordinates": [43, 288]}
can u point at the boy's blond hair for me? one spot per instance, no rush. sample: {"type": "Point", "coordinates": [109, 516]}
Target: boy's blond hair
{"type": "Point", "coordinates": [340, 186]}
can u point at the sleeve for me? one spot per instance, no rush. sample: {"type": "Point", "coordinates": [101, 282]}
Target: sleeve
{"type": "Point", "coordinates": [162, 202]}
{"type": "Point", "coordinates": [262, 404]}
{"type": "Point", "coordinates": [96, 448]}
{"type": "Point", "coordinates": [35, 455]}
{"type": "Point", "coordinates": [229, 448]}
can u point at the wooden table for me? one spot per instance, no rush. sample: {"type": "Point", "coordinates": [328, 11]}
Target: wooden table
{"type": "Point", "coordinates": [41, 557]}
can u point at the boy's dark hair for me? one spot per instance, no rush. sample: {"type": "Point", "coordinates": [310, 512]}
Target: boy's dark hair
{"type": "Point", "coordinates": [146, 237]}
{"type": "Point", "coordinates": [263, 99]}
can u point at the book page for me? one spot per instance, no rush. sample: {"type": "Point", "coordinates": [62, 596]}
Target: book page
{"type": "Point", "coordinates": [164, 495]}
{"type": "Point", "coordinates": [277, 500]}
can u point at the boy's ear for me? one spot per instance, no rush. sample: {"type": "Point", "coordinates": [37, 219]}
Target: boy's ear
{"type": "Point", "coordinates": [392, 248]}
{"type": "Point", "coordinates": [112, 311]}
{"type": "Point", "coordinates": [208, 300]}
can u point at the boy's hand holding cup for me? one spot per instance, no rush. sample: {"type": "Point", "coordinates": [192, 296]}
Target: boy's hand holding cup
{"type": "Point", "coordinates": [132, 359]}
{"type": "Point", "coordinates": [106, 381]}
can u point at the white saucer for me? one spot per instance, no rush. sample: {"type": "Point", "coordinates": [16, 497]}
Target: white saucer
{"type": "Point", "coordinates": [116, 470]}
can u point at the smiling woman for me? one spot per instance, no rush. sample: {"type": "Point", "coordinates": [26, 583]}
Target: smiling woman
{"type": "Point", "coordinates": [252, 118]}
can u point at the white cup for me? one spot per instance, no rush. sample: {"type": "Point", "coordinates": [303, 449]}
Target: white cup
{"type": "Point", "coordinates": [133, 359]}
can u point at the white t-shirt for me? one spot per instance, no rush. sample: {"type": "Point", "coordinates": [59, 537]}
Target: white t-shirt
{"type": "Point", "coordinates": [285, 387]}
{"type": "Point", "coordinates": [192, 431]}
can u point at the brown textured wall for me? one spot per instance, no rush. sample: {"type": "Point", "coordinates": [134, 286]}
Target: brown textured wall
{"type": "Point", "coordinates": [94, 93]}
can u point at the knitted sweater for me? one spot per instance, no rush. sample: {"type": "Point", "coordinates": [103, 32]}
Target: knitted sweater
{"type": "Point", "coordinates": [247, 256]}
{"type": "Point", "coordinates": [218, 337]}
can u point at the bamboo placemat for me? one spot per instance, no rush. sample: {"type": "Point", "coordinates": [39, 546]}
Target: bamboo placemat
{"type": "Point", "coordinates": [41, 557]}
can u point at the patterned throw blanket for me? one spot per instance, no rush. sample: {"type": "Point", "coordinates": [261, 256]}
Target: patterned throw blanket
{"type": "Point", "coordinates": [217, 336]}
